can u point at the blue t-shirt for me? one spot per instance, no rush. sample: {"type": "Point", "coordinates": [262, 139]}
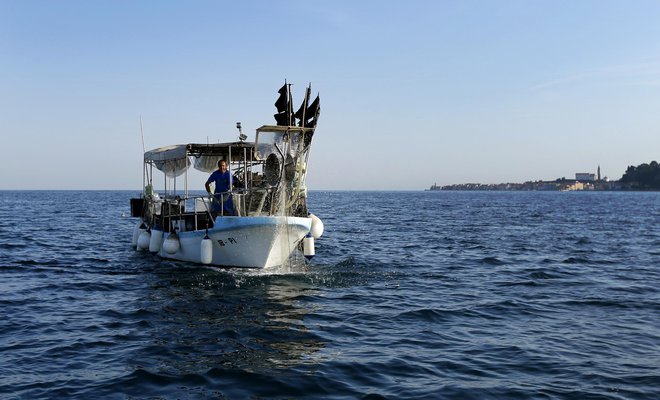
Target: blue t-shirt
{"type": "Point", "coordinates": [222, 181]}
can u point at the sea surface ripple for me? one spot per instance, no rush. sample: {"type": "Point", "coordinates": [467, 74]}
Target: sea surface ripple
{"type": "Point", "coordinates": [415, 295]}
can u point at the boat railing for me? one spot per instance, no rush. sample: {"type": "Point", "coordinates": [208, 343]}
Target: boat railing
{"type": "Point", "coordinates": [184, 213]}
{"type": "Point", "coordinates": [200, 211]}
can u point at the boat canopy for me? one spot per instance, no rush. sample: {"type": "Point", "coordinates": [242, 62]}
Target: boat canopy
{"type": "Point", "coordinates": [176, 159]}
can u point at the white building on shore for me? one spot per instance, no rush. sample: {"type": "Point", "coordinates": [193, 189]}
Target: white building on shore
{"type": "Point", "coordinates": [585, 177]}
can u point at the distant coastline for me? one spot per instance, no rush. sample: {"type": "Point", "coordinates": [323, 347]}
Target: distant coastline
{"type": "Point", "coordinates": [644, 177]}
{"type": "Point", "coordinates": [558, 185]}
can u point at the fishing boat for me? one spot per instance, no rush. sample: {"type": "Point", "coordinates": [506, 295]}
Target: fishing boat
{"type": "Point", "coordinates": [260, 222]}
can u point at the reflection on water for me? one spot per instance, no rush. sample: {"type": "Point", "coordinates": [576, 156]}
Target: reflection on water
{"type": "Point", "coordinates": [206, 318]}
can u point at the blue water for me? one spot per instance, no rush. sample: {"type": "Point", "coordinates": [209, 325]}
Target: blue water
{"type": "Point", "coordinates": [431, 295]}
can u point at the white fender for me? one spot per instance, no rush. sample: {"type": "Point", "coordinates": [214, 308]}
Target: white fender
{"type": "Point", "coordinates": [144, 240]}
{"type": "Point", "coordinates": [139, 228]}
{"type": "Point", "coordinates": [317, 226]}
{"type": "Point", "coordinates": [172, 244]}
{"type": "Point", "coordinates": [206, 250]}
{"type": "Point", "coordinates": [156, 240]}
{"type": "Point", "coordinates": [308, 247]}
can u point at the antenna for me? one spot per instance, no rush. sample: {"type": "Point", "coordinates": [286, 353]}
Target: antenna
{"type": "Point", "coordinates": [144, 150]}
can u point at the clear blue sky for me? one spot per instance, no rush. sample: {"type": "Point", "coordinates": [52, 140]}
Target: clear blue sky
{"type": "Point", "coordinates": [412, 92]}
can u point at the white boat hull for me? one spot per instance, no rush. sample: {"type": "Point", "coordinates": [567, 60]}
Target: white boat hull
{"type": "Point", "coordinates": [252, 242]}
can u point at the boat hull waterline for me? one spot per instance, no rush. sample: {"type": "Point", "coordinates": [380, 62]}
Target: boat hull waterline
{"type": "Point", "coordinates": [251, 242]}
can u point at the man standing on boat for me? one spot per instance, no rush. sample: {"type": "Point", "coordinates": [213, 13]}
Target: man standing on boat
{"type": "Point", "coordinates": [223, 181]}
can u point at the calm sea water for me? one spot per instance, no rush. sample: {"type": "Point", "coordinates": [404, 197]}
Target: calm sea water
{"type": "Point", "coordinates": [456, 295]}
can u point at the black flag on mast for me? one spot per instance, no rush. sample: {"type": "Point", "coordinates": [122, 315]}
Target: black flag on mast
{"type": "Point", "coordinates": [284, 106]}
{"type": "Point", "coordinates": [312, 113]}
{"type": "Point", "coordinates": [281, 103]}
{"type": "Point", "coordinates": [301, 113]}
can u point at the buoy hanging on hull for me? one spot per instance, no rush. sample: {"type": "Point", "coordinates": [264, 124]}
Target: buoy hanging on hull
{"type": "Point", "coordinates": [137, 231]}
{"type": "Point", "coordinates": [308, 247]}
{"type": "Point", "coordinates": [156, 240]}
{"type": "Point", "coordinates": [171, 245]}
{"type": "Point", "coordinates": [206, 250]}
{"type": "Point", "coordinates": [317, 226]}
{"type": "Point", "coordinates": [144, 240]}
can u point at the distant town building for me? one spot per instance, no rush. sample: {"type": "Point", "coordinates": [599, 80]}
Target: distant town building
{"type": "Point", "coordinates": [573, 186]}
{"type": "Point", "coordinates": [582, 181]}
{"type": "Point", "coordinates": [585, 177]}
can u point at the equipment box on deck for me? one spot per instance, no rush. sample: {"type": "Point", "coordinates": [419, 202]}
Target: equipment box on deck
{"type": "Point", "coordinates": [137, 205]}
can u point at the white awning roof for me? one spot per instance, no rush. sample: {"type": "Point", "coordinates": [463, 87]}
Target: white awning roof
{"type": "Point", "coordinates": [176, 159]}
{"type": "Point", "coordinates": [176, 151]}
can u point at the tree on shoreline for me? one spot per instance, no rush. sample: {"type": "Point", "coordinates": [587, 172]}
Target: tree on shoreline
{"type": "Point", "coordinates": [644, 176]}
